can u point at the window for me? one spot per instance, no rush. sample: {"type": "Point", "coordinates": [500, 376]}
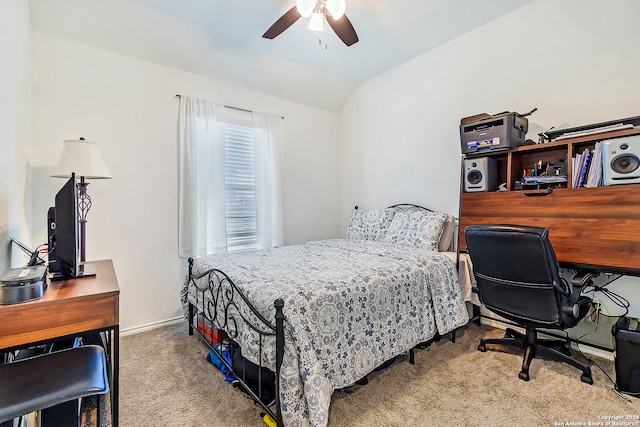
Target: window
{"type": "Point", "coordinates": [229, 184]}
{"type": "Point", "coordinates": [240, 188]}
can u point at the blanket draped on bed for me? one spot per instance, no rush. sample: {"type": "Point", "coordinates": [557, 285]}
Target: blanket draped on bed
{"type": "Point", "coordinates": [349, 307]}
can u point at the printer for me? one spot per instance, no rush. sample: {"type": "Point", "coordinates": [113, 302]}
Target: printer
{"type": "Point", "coordinates": [486, 132]}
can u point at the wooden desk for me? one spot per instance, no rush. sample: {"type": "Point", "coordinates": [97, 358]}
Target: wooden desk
{"type": "Point", "coordinates": [589, 228]}
{"type": "Point", "coordinates": [70, 308]}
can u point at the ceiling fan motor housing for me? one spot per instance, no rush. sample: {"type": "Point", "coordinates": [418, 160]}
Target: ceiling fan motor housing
{"type": "Point", "coordinates": [335, 7]}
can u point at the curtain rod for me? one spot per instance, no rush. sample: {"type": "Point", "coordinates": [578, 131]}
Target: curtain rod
{"type": "Point", "coordinates": [232, 107]}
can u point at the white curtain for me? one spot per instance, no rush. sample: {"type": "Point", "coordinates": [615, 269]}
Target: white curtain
{"type": "Point", "coordinates": [267, 136]}
{"type": "Point", "coordinates": [202, 217]}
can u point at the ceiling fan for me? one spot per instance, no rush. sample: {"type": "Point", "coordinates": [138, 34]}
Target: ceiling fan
{"type": "Point", "coordinates": [318, 10]}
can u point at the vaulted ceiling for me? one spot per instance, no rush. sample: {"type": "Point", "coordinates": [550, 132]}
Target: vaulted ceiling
{"type": "Point", "coordinates": [223, 38]}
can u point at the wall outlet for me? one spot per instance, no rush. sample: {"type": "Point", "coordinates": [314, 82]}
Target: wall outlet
{"type": "Point", "coordinates": [595, 310]}
{"type": "Point", "coordinates": [599, 307]}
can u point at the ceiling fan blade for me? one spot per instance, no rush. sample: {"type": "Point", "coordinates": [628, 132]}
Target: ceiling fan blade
{"type": "Point", "coordinates": [343, 29]}
{"type": "Point", "coordinates": [283, 23]}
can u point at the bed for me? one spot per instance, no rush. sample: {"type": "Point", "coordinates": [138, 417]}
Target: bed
{"type": "Point", "coordinates": [324, 314]}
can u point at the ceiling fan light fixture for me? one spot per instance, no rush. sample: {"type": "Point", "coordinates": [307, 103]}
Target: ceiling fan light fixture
{"type": "Point", "coordinates": [316, 23]}
{"type": "Point", "coordinates": [336, 8]}
{"type": "Point", "coordinates": [305, 7]}
{"type": "Point", "coordinates": [330, 10]}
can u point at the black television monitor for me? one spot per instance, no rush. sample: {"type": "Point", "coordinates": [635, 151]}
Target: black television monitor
{"type": "Point", "coordinates": [65, 251]}
{"type": "Point", "coordinates": [64, 235]}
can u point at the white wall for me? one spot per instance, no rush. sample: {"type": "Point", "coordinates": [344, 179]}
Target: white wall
{"type": "Point", "coordinates": [15, 128]}
{"type": "Point", "coordinates": [577, 61]}
{"type": "Point", "coordinates": [129, 107]}
{"type": "Point", "coordinates": [398, 133]}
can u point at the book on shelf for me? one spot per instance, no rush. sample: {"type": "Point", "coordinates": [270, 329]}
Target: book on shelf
{"type": "Point", "coordinates": [577, 165]}
{"type": "Point", "coordinates": [594, 176]}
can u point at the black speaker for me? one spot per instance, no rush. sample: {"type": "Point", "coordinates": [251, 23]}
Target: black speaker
{"type": "Point", "coordinates": [621, 161]}
{"type": "Point", "coordinates": [626, 335]}
{"type": "Point", "coordinates": [480, 174]}
{"type": "Point", "coordinates": [51, 233]}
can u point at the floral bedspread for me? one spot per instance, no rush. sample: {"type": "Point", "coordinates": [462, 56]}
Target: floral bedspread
{"type": "Point", "coordinates": [349, 307]}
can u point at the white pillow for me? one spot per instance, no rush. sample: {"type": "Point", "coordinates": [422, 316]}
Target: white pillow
{"type": "Point", "coordinates": [448, 232]}
{"type": "Point", "coordinates": [419, 229]}
{"type": "Point", "coordinates": [369, 225]}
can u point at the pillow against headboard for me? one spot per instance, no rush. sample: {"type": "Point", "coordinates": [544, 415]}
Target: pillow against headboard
{"type": "Point", "coordinates": [369, 224]}
{"type": "Point", "coordinates": [448, 232]}
{"type": "Point", "coordinates": [420, 229]}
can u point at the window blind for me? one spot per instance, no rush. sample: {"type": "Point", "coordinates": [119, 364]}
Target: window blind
{"type": "Point", "coordinates": [240, 188]}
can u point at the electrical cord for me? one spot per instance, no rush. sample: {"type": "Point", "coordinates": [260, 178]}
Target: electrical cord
{"type": "Point", "coordinates": [616, 299]}
{"type": "Point", "coordinates": [592, 287]}
{"type": "Point", "coordinates": [34, 258]}
{"type": "Point", "coordinates": [593, 362]}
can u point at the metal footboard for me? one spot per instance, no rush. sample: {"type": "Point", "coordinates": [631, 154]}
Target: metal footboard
{"type": "Point", "coordinates": [222, 294]}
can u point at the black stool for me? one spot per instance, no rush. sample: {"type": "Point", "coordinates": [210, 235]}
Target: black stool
{"type": "Point", "coordinates": [50, 379]}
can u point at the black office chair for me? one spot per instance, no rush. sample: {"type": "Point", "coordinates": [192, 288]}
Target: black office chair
{"type": "Point", "coordinates": [50, 379]}
{"type": "Point", "coordinates": [517, 274]}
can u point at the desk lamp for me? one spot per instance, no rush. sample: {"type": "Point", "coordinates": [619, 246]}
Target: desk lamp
{"type": "Point", "coordinates": [85, 159]}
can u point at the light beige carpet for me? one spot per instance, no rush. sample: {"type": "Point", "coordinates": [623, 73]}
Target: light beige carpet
{"type": "Point", "coordinates": [165, 381]}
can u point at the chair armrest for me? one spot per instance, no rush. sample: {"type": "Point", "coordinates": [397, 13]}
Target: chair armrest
{"type": "Point", "coordinates": [564, 287]}
{"type": "Point", "coordinates": [581, 278]}
{"type": "Point", "coordinates": [576, 301]}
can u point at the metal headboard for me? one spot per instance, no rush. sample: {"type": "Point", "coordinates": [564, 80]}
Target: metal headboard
{"type": "Point", "coordinates": [407, 207]}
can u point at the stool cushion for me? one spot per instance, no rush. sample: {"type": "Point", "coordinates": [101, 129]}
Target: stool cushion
{"type": "Point", "coordinates": [42, 381]}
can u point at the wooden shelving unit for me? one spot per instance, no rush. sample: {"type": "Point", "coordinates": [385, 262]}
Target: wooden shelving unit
{"type": "Point", "coordinates": [596, 228]}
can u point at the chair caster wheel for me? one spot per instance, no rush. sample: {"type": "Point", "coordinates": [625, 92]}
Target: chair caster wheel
{"type": "Point", "coordinates": [586, 379]}
{"type": "Point", "coordinates": [524, 376]}
{"type": "Point", "coordinates": [482, 348]}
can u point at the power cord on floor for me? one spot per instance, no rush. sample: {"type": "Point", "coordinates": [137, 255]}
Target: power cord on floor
{"type": "Point", "coordinates": [593, 362]}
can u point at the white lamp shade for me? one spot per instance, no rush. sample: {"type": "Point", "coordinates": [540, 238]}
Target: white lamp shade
{"type": "Point", "coordinates": [305, 7]}
{"type": "Point", "coordinates": [336, 8]}
{"type": "Point", "coordinates": [82, 157]}
{"type": "Point", "coordinates": [316, 23]}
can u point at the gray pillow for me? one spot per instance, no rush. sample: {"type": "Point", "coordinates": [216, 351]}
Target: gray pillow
{"type": "Point", "coordinates": [369, 224]}
{"type": "Point", "coordinates": [419, 229]}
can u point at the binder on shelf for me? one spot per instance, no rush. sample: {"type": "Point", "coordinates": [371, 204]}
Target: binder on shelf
{"type": "Point", "coordinates": [586, 157]}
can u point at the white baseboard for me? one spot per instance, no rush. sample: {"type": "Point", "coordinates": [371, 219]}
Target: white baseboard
{"type": "Point", "coordinates": [585, 348]}
{"type": "Point", "coordinates": [150, 326]}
